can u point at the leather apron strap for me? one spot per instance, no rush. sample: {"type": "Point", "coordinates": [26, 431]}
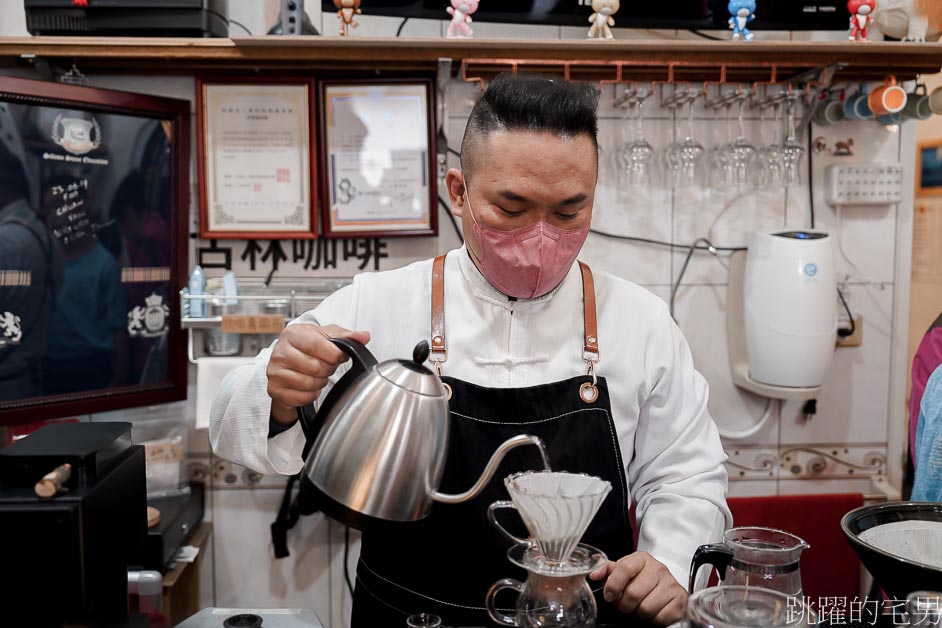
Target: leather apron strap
{"type": "Point", "coordinates": [590, 347]}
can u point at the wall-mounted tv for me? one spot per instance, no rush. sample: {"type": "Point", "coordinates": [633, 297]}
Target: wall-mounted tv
{"type": "Point", "coordinates": [680, 14]}
{"type": "Point", "coordinates": [94, 201]}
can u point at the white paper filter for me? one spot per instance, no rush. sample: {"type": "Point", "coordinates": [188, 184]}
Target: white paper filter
{"type": "Point", "coordinates": [917, 541]}
{"type": "Point", "coordinates": [556, 508]}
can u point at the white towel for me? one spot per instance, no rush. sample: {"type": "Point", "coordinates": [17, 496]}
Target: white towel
{"type": "Point", "coordinates": [209, 375]}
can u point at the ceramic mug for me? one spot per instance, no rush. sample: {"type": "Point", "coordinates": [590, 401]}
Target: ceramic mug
{"type": "Point", "coordinates": [891, 119]}
{"type": "Point", "coordinates": [935, 100]}
{"type": "Point", "coordinates": [918, 106]}
{"type": "Point", "coordinates": [887, 99]}
{"type": "Point", "coordinates": [829, 111]}
{"type": "Point", "coordinates": [857, 108]}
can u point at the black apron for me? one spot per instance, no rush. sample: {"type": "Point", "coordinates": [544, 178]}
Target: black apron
{"type": "Point", "coordinates": [445, 563]}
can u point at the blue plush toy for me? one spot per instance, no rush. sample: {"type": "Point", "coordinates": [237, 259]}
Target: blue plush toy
{"type": "Point", "coordinates": [742, 12]}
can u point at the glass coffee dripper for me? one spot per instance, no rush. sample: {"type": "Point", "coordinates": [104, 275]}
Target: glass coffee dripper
{"type": "Point", "coordinates": [557, 508]}
{"type": "Point", "coordinates": [555, 595]}
{"type": "Point", "coordinates": [754, 557]}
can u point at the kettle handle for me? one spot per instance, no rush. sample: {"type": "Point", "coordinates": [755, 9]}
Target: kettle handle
{"type": "Point", "coordinates": [361, 360]}
{"type": "Point", "coordinates": [715, 554]}
{"type": "Point", "coordinates": [361, 357]}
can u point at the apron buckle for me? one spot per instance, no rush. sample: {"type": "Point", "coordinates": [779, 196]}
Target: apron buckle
{"type": "Point", "coordinates": [589, 393]}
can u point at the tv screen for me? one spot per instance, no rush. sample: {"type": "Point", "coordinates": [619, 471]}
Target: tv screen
{"type": "Point", "coordinates": [681, 14]}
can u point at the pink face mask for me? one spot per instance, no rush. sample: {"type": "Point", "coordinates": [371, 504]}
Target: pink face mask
{"type": "Point", "coordinates": [527, 262]}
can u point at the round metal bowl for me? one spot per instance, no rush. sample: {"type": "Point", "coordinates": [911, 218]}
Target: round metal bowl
{"type": "Point", "coordinates": [898, 576]}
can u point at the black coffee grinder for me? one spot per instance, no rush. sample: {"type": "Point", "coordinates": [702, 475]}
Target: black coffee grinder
{"type": "Point", "coordinates": [66, 542]}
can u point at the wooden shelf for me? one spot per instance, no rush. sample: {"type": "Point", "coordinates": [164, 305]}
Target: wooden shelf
{"type": "Point", "coordinates": [642, 59]}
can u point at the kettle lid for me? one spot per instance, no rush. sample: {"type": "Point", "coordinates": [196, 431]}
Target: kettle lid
{"type": "Point", "coordinates": [412, 375]}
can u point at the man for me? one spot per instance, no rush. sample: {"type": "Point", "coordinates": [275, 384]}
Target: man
{"type": "Point", "coordinates": [520, 337]}
{"type": "Point", "coordinates": [30, 275]}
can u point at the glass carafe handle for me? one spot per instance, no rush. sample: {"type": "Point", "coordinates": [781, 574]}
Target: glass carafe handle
{"type": "Point", "coordinates": [715, 554]}
{"type": "Point", "coordinates": [500, 585]}
{"type": "Point", "coordinates": [493, 519]}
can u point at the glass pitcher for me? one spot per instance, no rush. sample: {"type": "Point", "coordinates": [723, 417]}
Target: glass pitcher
{"type": "Point", "coordinates": [747, 607]}
{"type": "Point", "coordinates": [555, 595]}
{"type": "Point", "coordinates": [754, 557]}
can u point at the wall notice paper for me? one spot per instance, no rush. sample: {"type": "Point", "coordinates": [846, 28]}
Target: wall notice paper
{"type": "Point", "coordinates": [377, 157]}
{"type": "Point", "coordinates": [209, 375]}
{"type": "Point", "coordinates": [257, 144]}
{"type": "Point", "coordinates": [927, 243]}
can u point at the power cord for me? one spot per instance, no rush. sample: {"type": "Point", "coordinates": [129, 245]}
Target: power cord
{"type": "Point", "coordinates": [346, 559]}
{"type": "Point", "coordinates": [811, 172]}
{"type": "Point", "coordinates": [722, 249]}
{"type": "Point", "coordinates": [229, 21]}
{"type": "Point", "coordinates": [683, 270]}
{"type": "Point", "coordinates": [704, 35]}
{"type": "Point", "coordinates": [401, 26]}
{"type": "Point", "coordinates": [844, 333]}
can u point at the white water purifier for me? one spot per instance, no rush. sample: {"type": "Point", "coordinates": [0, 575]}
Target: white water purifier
{"type": "Point", "coordinates": [790, 293]}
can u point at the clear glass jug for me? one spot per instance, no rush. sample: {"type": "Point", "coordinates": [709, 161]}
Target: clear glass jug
{"type": "Point", "coordinates": [554, 595]}
{"type": "Point", "coordinates": [754, 557]}
{"type": "Point", "coordinates": [747, 607]}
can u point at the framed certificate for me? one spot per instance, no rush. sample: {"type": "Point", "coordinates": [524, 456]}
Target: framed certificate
{"type": "Point", "coordinates": [256, 162]}
{"type": "Point", "coordinates": [378, 153]}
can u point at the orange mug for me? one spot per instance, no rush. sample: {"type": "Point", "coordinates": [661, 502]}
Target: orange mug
{"type": "Point", "coordinates": [888, 99]}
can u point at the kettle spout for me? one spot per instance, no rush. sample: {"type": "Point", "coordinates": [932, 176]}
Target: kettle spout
{"type": "Point", "coordinates": [491, 468]}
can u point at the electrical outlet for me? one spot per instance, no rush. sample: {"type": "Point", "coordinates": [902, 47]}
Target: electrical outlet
{"type": "Point", "coordinates": [864, 184]}
{"type": "Point", "coordinates": [856, 338]}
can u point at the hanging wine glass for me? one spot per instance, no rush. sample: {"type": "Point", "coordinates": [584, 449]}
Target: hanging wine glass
{"type": "Point", "coordinates": [722, 158]}
{"type": "Point", "coordinates": [773, 165]}
{"type": "Point", "coordinates": [792, 149]}
{"type": "Point", "coordinates": [691, 151]}
{"type": "Point", "coordinates": [742, 154]}
{"type": "Point", "coordinates": [638, 156]}
{"type": "Point", "coordinates": [672, 160]}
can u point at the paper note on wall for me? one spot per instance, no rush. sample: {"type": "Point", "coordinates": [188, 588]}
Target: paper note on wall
{"type": "Point", "coordinates": [927, 242]}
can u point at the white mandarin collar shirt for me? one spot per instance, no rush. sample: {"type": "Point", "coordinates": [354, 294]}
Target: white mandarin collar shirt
{"type": "Point", "coordinates": [675, 461]}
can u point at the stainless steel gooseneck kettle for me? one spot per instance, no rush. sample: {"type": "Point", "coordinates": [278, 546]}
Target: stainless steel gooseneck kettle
{"type": "Point", "coordinates": [382, 437]}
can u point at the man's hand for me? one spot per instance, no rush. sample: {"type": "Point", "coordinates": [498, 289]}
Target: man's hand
{"type": "Point", "coordinates": [302, 360]}
{"type": "Point", "coordinates": [639, 585]}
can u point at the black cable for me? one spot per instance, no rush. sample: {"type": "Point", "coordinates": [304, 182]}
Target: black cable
{"type": "Point", "coordinates": [229, 21]}
{"type": "Point", "coordinates": [346, 559]}
{"type": "Point", "coordinates": [728, 249]}
{"type": "Point", "coordinates": [811, 171]}
{"type": "Point", "coordinates": [454, 223]}
{"type": "Point", "coordinates": [453, 152]}
{"type": "Point", "coordinates": [844, 333]}
{"type": "Point", "coordinates": [704, 35]}
{"type": "Point", "coordinates": [683, 270]}
{"type": "Point", "coordinates": [401, 26]}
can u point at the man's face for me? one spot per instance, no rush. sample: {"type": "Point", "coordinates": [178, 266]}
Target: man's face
{"type": "Point", "coordinates": [521, 177]}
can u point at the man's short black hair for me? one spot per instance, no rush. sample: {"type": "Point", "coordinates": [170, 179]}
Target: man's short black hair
{"type": "Point", "coordinates": [534, 103]}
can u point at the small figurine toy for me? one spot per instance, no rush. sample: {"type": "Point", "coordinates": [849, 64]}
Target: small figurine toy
{"type": "Point", "coordinates": [861, 15]}
{"type": "Point", "coordinates": [347, 10]}
{"type": "Point", "coordinates": [461, 12]}
{"type": "Point", "coordinates": [908, 20]}
{"type": "Point", "coordinates": [741, 13]}
{"type": "Point", "coordinates": [601, 19]}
